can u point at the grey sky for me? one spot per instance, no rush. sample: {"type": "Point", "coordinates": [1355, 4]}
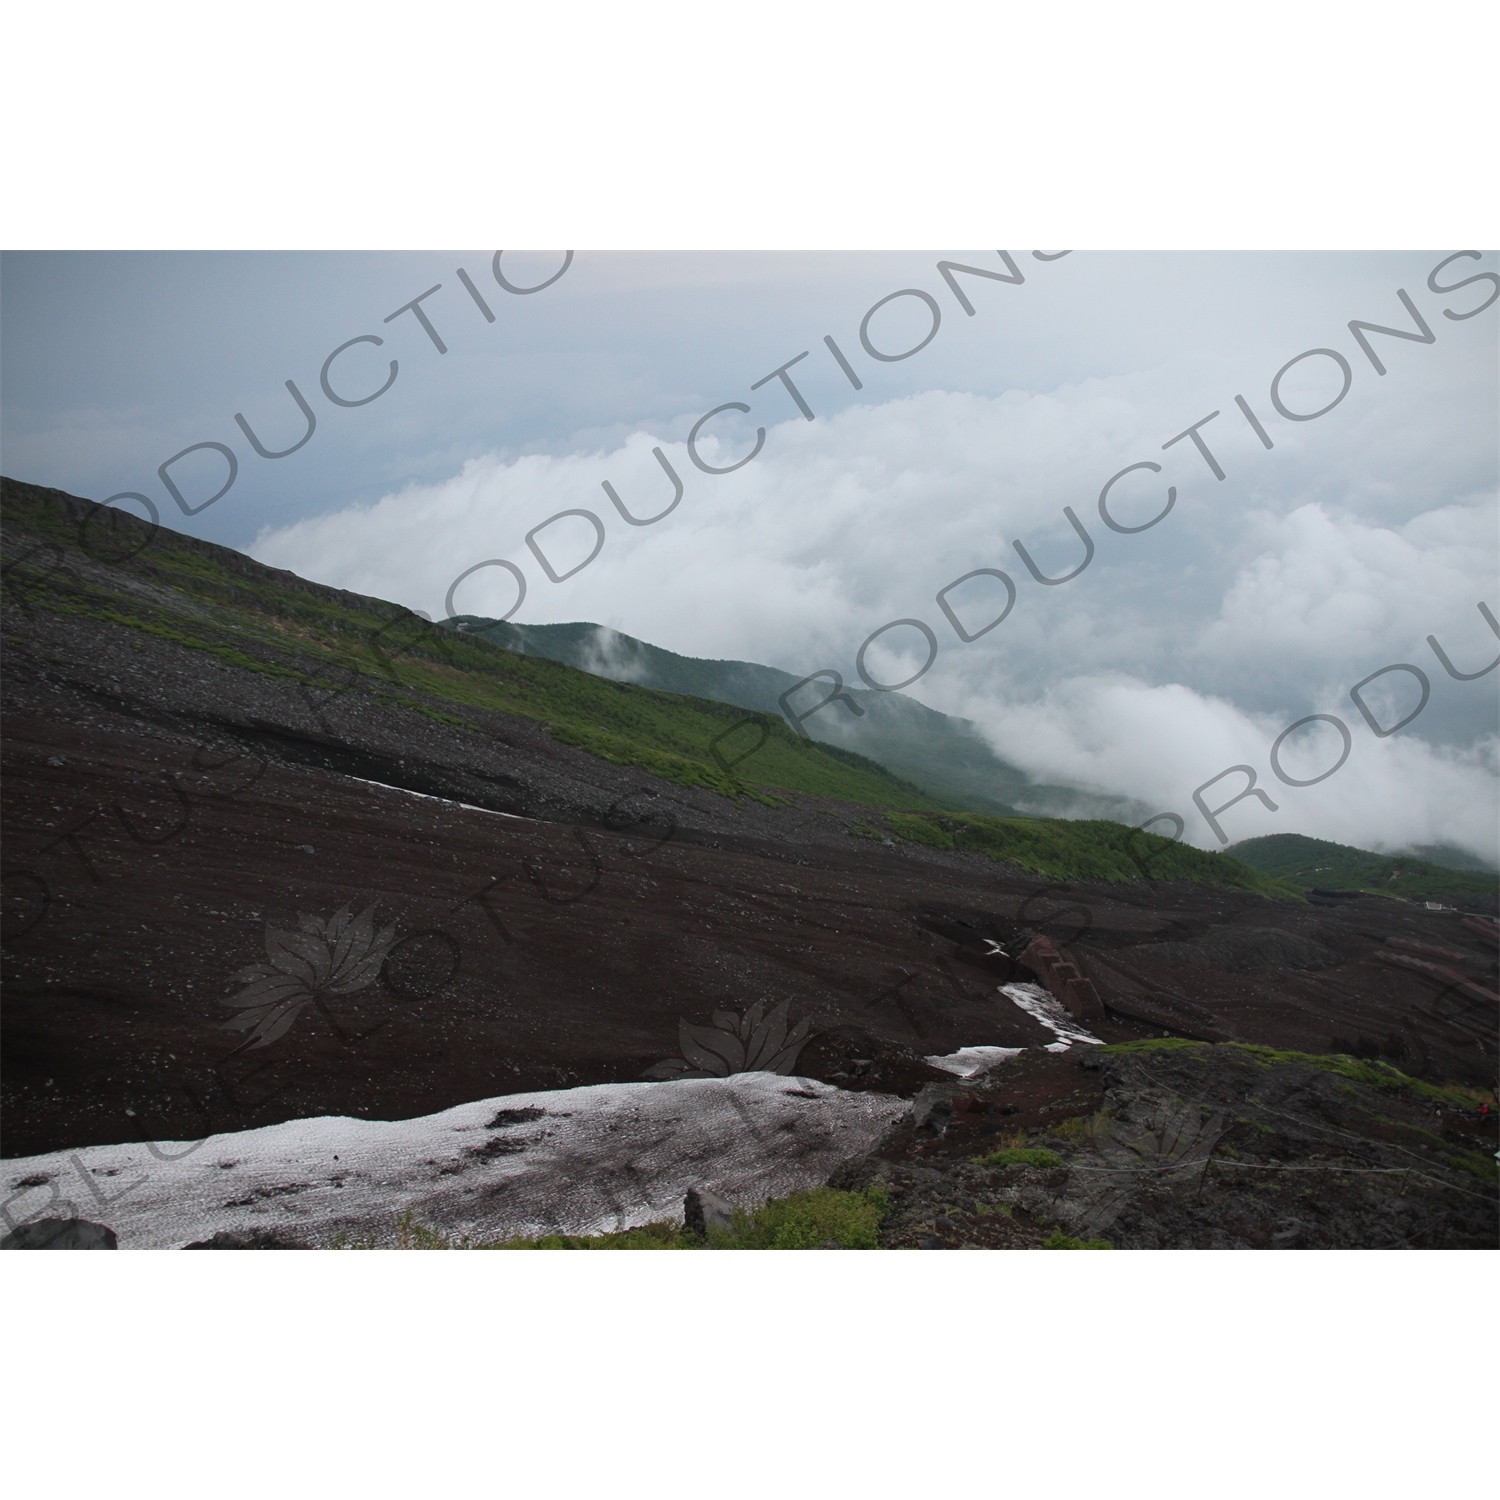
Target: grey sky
{"type": "Point", "coordinates": [114, 362]}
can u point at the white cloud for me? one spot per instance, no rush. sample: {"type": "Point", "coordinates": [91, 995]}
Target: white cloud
{"type": "Point", "coordinates": [1178, 652]}
{"type": "Point", "coordinates": [1158, 744]}
{"type": "Point", "coordinates": [1329, 591]}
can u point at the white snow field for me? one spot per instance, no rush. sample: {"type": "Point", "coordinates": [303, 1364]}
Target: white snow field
{"type": "Point", "coordinates": [604, 1157]}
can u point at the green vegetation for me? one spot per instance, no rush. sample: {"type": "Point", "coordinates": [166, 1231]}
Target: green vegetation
{"type": "Point", "coordinates": [1372, 1072]}
{"type": "Point", "coordinates": [1020, 1156]}
{"type": "Point", "coordinates": [1081, 849]}
{"type": "Point", "coordinates": [1476, 1164]}
{"type": "Point", "coordinates": [1057, 1240]}
{"type": "Point", "coordinates": [805, 1221]}
{"type": "Point", "coordinates": [947, 758]}
{"type": "Point", "coordinates": [1309, 863]}
{"type": "Point", "coordinates": [919, 830]}
{"type": "Point", "coordinates": [800, 1221]}
{"type": "Point", "coordinates": [210, 599]}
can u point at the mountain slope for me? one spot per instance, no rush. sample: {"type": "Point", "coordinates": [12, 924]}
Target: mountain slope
{"type": "Point", "coordinates": [1318, 863]}
{"type": "Point", "coordinates": [330, 642]}
{"type": "Point", "coordinates": [209, 764]}
{"type": "Point", "coordinates": [349, 658]}
{"type": "Point", "coordinates": [946, 757]}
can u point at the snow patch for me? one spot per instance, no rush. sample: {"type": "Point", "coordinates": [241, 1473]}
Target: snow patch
{"type": "Point", "coordinates": [1044, 1007]}
{"type": "Point", "coordinates": [590, 1159]}
{"type": "Point", "coordinates": [968, 1061]}
{"type": "Point", "coordinates": [429, 797]}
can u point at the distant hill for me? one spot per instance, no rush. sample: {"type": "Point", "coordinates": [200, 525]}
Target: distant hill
{"type": "Point", "coordinates": [1450, 857]}
{"type": "Point", "coordinates": [946, 757]}
{"type": "Point", "coordinates": [1317, 863]}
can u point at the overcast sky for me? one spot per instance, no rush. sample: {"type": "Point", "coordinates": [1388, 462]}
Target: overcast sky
{"type": "Point", "coordinates": [1177, 652]}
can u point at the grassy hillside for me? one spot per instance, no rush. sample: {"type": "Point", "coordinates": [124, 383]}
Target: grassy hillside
{"type": "Point", "coordinates": [946, 757]}
{"type": "Point", "coordinates": [212, 599]}
{"type": "Point", "coordinates": [1309, 863]}
{"type": "Point", "coordinates": [1083, 849]}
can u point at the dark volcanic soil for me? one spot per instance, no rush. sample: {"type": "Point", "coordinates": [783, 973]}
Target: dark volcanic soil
{"type": "Point", "coordinates": [1188, 1146]}
{"type": "Point", "coordinates": [163, 810]}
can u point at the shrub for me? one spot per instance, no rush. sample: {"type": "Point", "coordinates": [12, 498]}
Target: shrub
{"type": "Point", "coordinates": [1476, 1164]}
{"type": "Point", "coordinates": [805, 1221]}
{"type": "Point", "coordinates": [1021, 1156]}
{"type": "Point", "coordinates": [800, 1221]}
{"type": "Point", "coordinates": [1057, 1240]}
{"type": "Point", "coordinates": [916, 829]}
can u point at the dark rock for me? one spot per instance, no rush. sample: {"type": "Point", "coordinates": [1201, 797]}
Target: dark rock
{"type": "Point", "coordinates": [507, 1117]}
{"type": "Point", "coordinates": [61, 1234]}
{"type": "Point", "coordinates": [703, 1210]}
{"type": "Point", "coordinates": [854, 1175]}
{"type": "Point", "coordinates": [262, 1239]}
{"type": "Point", "coordinates": [1289, 1235]}
{"type": "Point", "coordinates": [932, 1109]}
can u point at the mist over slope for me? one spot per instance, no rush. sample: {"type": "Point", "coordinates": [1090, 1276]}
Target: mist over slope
{"type": "Point", "coordinates": [948, 758]}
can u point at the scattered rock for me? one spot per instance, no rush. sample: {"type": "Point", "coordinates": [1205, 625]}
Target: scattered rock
{"type": "Point", "coordinates": [507, 1117]}
{"type": "Point", "coordinates": [1244, 950]}
{"type": "Point", "coordinates": [703, 1210]}
{"type": "Point", "coordinates": [932, 1109]}
{"type": "Point", "coordinates": [1289, 1235]}
{"type": "Point", "coordinates": [262, 1239]}
{"type": "Point", "coordinates": [61, 1234]}
{"type": "Point", "coordinates": [1189, 1146]}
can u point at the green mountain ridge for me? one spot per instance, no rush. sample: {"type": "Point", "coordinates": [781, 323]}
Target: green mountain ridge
{"type": "Point", "coordinates": [944, 756]}
{"type": "Point", "coordinates": [1311, 864]}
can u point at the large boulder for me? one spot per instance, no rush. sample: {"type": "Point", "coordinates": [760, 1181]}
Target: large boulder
{"type": "Point", "coordinates": [61, 1234]}
{"type": "Point", "coordinates": [703, 1210]}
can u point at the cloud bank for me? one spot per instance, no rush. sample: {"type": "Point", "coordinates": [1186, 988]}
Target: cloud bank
{"type": "Point", "coordinates": [1177, 651]}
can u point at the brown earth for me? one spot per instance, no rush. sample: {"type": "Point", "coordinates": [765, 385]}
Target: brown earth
{"type": "Point", "coordinates": [161, 807]}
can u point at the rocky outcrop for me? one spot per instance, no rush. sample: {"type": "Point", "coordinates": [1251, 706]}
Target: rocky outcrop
{"type": "Point", "coordinates": [1073, 991]}
{"type": "Point", "coordinates": [61, 1234]}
